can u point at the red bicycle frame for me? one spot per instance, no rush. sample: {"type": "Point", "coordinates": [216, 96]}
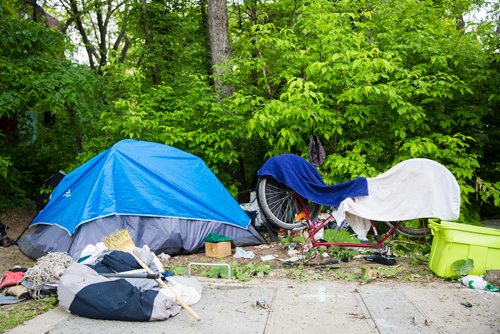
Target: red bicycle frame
{"type": "Point", "coordinates": [314, 229]}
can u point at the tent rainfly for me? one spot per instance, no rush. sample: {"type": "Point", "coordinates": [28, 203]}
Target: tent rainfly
{"type": "Point", "coordinates": [166, 198]}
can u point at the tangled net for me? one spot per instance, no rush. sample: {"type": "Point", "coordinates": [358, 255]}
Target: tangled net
{"type": "Point", "coordinates": [47, 269]}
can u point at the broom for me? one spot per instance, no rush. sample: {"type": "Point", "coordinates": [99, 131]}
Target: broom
{"type": "Point", "coordinates": [121, 240]}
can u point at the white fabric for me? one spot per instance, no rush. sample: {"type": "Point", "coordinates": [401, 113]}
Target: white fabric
{"type": "Point", "coordinates": [188, 288]}
{"type": "Point", "coordinates": [359, 225]}
{"type": "Point", "coordinates": [93, 252]}
{"type": "Point", "coordinates": [415, 188]}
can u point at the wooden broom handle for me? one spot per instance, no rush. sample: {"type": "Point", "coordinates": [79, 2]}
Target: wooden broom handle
{"type": "Point", "coordinates": [163, 284]}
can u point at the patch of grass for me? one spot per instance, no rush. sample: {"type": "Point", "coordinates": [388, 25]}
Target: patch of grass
{"type": "Point", "coordinates": [239, 272]}
{"type": "Point", "coordinates": [178, 270]}
{"type": "Point", "coordinates": [15, 315]}
{"type": "Point", "coordinates": [417, 250]}
{"type": "Point", "coordinates": [388, 271]}
{"type": "Point", "coordinates": [250, 270]}
{"type": "Point", "coordinates": [350, 277]}
{"type": "Point", "coordinates": [342, 253]}
{"type": "Point", "coordinates": [299, 274]}
{"type": "Point", "coordinates": [339, 236]}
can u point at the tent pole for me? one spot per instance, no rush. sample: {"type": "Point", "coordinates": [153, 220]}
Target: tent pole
{"type": "Point", "coordinates": [24, 230]}
{"type": "Point", "coordinates": [72, 239]}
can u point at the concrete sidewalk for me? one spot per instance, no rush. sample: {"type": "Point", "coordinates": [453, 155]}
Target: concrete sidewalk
{"type": "Point", "coordinates": [308, 307]}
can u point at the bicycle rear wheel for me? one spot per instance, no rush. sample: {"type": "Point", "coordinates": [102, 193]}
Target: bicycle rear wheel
{"type": "Point", "coordinates": [281, 205]}
{"type": "Point", "coordinates": [411, 230]}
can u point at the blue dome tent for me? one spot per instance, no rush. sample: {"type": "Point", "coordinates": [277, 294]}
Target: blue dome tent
{"type": "Point", "coordinates": [166, 198]}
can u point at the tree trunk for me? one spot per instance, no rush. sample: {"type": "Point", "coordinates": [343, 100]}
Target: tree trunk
{"type": "Point", "coordinates": [155, 71]}
{"type": "Point", "coordinates": [204, 29]}
{"type": "Point", "coordinates": [220, 49]}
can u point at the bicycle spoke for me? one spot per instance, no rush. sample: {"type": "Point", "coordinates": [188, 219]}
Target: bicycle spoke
{"type": "Point", "coordinates": [281, 204]}
{"type": "Point", "coordinates": [289, 211]}
{"type": "Point", "coordinates": [277, 204]}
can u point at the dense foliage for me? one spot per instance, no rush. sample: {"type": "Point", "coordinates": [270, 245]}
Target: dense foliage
{"type": "Point", "coordinates": [377, 81]}
{"type": "Point", "coordinates": [45, 101]}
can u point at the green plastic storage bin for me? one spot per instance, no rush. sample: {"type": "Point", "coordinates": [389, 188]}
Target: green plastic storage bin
{"type": "Point", "coordinates": [454, 242]}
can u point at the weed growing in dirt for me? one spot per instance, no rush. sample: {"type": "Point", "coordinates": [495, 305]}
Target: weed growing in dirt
{"type": "Point", "coordinates": [388, 272]}
{"type": "Point", "coordinates": [342, 253]}
{"type": "Point", "coordinates": [300, 274]}
{"type": "Point", "coordinates": [417, 251]}
{"type": "Point", "coordinates": [240, 273]}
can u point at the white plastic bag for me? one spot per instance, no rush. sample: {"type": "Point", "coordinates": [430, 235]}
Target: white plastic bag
{"type": "Point", "coordinates": [241, 253]}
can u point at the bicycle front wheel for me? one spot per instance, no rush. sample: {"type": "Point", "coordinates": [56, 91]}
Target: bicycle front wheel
{"type": "Point", "coordinates": [281, 205]}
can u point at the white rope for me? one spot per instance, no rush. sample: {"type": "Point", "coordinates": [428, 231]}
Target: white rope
{"type": "Point", "coordinates": [47, 269]}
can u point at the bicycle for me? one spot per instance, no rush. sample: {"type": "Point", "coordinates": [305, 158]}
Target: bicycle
{"type": "Point", "coordinates": [283, 206]}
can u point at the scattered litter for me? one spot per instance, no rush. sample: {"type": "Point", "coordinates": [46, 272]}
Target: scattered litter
{"type": "Point", "coordinates": [388, 261]}
{"type": "Point", "coordinates": [328, 263]}
{"type": "Point", "coordinates": [292, 259]}
{"type": "Point", "coordinates": [268, 258]}
{"type": "Point", "coordinates": [478, 283]}
{"type": "Point", "coordinates": [241, 253]}
{"type": "Point", "coordinates": [292, 252]}
{"type": "Point", "coordinates": [164, 258]}
{"type": "Point", "coordinates": [262, 304]}
{"type": "Point", "coordinates": [466, 304]}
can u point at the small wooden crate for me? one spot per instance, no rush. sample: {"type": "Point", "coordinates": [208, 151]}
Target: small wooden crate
{"type": "Point", "coordinates": [218, 249]}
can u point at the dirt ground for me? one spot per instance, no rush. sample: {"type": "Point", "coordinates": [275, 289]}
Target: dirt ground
{"type": "Point", "coordinates": [16, 219]}
{"type": "Point", "coordinates": [356, 269]}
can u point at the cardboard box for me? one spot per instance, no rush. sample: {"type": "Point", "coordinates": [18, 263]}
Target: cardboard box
{"type": "Point", "coordinates": [218, 249]}
{"type": "Point", "coordinates": [453, 242]}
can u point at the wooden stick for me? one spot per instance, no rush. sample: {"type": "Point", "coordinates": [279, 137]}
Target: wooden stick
{"type": "Point", "coordinates": [163, 284]}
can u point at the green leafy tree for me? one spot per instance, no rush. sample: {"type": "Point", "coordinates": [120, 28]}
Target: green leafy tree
{"type": "Point", "coordinates": [380, 82]}
{"type": "Point", "coordinates": [46, 100]}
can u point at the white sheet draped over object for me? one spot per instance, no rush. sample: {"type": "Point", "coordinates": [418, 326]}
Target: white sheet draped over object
{"type": "Point", "coordinates": [414, 188]}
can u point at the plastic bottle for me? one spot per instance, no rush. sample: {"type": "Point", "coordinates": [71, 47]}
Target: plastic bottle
{"type": "Point", "coordinates": [478, 283]}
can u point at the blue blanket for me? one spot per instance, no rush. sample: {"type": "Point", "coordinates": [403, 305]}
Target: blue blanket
{"type": "Point", "coordinates": [301, 176]}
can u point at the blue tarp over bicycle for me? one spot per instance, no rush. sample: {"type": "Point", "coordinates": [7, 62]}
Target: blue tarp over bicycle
{"type": "Point", "coordinates": [301, 176]}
